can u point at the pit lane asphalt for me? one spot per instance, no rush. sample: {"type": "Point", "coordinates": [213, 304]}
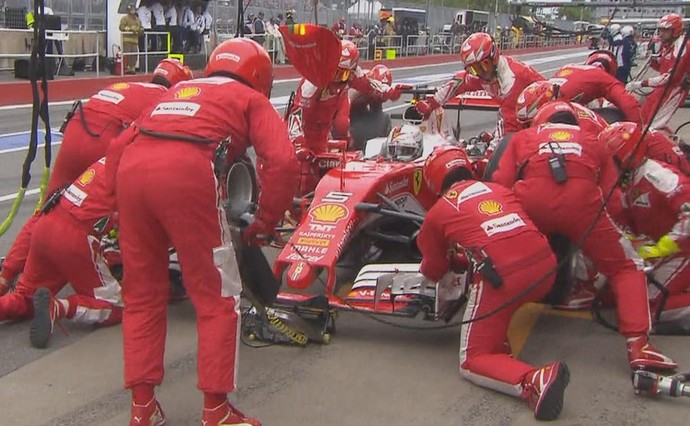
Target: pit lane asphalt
{"type": "Point", "coordinates": [370, 374]}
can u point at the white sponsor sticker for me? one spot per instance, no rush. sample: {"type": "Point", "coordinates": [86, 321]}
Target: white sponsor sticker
{"type": "Point", "coordinates": [474, 190]}
{"type": "Point", "coordinates": [188, 109]}
{"type": "Point", "coordinates": [75, 195]}
{"type": "Point", "coordinates": [502, 224]}
{"type": "Point", "coordinates": [109, 96]}
{"type": "Point", "coordinates": [561, 148]}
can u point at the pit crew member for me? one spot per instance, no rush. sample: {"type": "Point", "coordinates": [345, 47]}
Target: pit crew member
{"type": "Point", "coordinates": [90, 128]}
{"type": "Point", "coordinates": [502, 77]}
{"type": "Point", "coordinates": [560, 173]}
{"type": "Point", "coordinates": [167, 193]}
{"type": "Point", "coordinates": [486, 222]}
{"type": "Point", "coordinates": [65, 248]}
{"type": "Point", "coordinates": [586, 83]}
{"type": "Point", "coordinates": [670, 30]}
{"type": "Point", "coordinates": [317, 111]}
{"type": "Point", "coordinates": [657, 200]}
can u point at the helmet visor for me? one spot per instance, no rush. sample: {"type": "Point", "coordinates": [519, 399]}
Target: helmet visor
{"type": "Point", "coordinates": [342, 75]}
{"type": "Point", "coordinates": [478, 68]}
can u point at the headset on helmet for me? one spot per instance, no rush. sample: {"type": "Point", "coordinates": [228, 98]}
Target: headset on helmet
{"type": "Point", "coordinates": [381, 73]}
{"type": "Point", "coordinates": [169, 72]}
{"type": "Point", "coordinates": [604, 59]}
{"type": "Point", "coordinates": [555, 112]}
{"type": "Point", "coordinates": [349, 59]}
{"type": "Point", "coordinates": [672, 21]}
{"type": "Point", "coordinates": [446, 165]}
{"type": "Point", "coordinates": [404, 143]}
{"type": "Point", "coordinates": [535, 96]}
{"type": "Point", "coordinates": [620, 140]}
{"type": "Point", "coordinates": [245, 60]}
{"type": "Point", "coordinates": [479, 53]}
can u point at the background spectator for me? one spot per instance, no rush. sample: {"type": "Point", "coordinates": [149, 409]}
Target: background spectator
{"type": "Point", "coordinates": [131, 28]}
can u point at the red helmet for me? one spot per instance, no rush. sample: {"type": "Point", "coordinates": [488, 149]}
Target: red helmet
{"type": "Point", "coordinates": [444, 166]}
{"type": "Point", "coordinates": [381, 73]}
{"type": "Point", "coordinates": [349, 58]}
{"type": "Point", "coordinates": [555, 112]}
{"type": "Point", "coordinates": [535, 96]}
{"type": "Point", "coordinates": [604, 59]}
{"type": "Point", "coordinates": [244, 59]}
{"type": "Point", "coordinates": [672, 21]}
{"type": "Point", "coordinates": [479, 53]}
{"type": "Point", "coordinates": [621, 141]}
{"type": "Point", "coordinates": [172, 72]}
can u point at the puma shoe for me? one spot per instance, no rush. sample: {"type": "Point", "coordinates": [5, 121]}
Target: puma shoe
{"type": "Point", "coordinates": [46, 311]}
{"type": "Point", "coordinates": [643, 356]}
{"type": "Point", "coordinates": [149, 414]}
{"type": "Point", "coordinates": [543, 390]}
{"type": "Point", "coordinates": [226, 415]}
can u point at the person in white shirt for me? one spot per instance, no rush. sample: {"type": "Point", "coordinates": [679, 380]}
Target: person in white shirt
{"type": "Point", "coordinates": [159, 42]}
{"type": "Point", "coordinates": [197, 29]}
{"type": "Point", "coordinates": [171, 22]}
{"type": "Point", "coordinates": [144, 14]}
{"type": "Point", "coordinates": [186, 21]}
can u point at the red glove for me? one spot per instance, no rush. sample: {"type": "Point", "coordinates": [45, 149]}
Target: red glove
{"type": "Point", "coordinates": [459, 263]}
{"type": "Point", "coordinates": [486, 137]}
{"type": "Point", "coordinates": [258, 232]}
{"type": "Point", "coordinates": [426, 107]}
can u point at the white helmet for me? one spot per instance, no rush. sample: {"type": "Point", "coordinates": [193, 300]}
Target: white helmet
{"type": "Point", "coordinates": [404, 143]}
{"type": "Point", "coordinates": [627, 30]}
{"type": "Point", "coordinates": [615, 29]}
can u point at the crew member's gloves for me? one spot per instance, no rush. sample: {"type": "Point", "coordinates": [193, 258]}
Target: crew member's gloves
{"type": "Point", "coordinates": [4, 286]}
{"type": "Point", "coordinates": [303, 153]}
{"type": "Point", "coordinates": [394, 93]}
{"type": "Point", "coordinates": [459, 263]}
{"type": "Point", "coordinates": [634, 85]}
{"type": "Point", "coordinates": [426, 107]}
{"type": "Point", "coordinates": [664, 247]}
{"type": "Point", "coordinates": [258, 232]}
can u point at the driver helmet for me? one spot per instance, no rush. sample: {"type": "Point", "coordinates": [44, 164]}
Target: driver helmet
{"type": "Point", "coordinates": [479, 53]}
{"type": "Point", "coordinates": [404, 143]}
{"type": "Point", "coordinates": [349, 58]}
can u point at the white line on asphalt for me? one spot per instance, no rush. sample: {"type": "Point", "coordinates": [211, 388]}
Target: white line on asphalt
{"type": "Point", "coordinates": [13, 196]}
{"type": "Point", "coordinates": [24, 148]}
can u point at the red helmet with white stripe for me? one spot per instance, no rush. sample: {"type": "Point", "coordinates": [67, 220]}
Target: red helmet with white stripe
{"type": "Point", "coordinates": [381, 73]}
{"type": "Point", "coordinates": [555, 112]}
{"type": "Point", "coordinates": [535, 96]}
{"type": "Point", "coordinates": [446, 165]}
{"type": "Point", "coordinates": [349, 59]}
{"type": "Point", "coordinates": [604, 59]}
{"type": "Point", "coordinates": [245, 60]}
{"type": "Point", "coordinates": [479, 53]}
{"type": "Point", "coordinates": [672, 21]}
{"type": "Point", "coordinates": [621, 141]}
{"type": "Point", "coordinates": [169, 72]}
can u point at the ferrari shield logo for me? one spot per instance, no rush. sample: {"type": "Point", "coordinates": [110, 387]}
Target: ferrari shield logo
{"type": "Point", "coordinates": [417, 179]}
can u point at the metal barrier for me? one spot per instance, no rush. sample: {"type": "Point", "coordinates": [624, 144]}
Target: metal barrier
{"type": "Point", "coordinates": [56, 37]}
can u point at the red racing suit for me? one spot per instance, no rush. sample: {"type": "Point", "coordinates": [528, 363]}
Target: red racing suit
{"type": "Point", "coordinates": [168, 194]}
{"type": "Point", "coordinates": [586, 83]}
{"type": "Point", "coordinates": [512, 76]}
{"type": "Point", "coordinates": [86, 139]}
{"type": "Point", "coordinates": [663, 149]}
{"type": "Point", "coordinates": [657, 201]}
{"type": "Point", "coordinates": [570, 208]}
{"type": "Point", "coordinates": [678, 86]}
{"type": "Point", "coordinates": [487, 221]}
{"type": "Point", "coordinates": [65, 248]}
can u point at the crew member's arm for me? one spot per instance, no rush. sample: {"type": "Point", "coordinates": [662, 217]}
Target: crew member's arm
{"type": "Point", "coordinates": [341, 121]}
{"type": "Point", "coordinates": [433, 245]}
{"type": "Point", "coordinates": [614, 91]}
{"type": "Point", "coordinates": [506, 172]}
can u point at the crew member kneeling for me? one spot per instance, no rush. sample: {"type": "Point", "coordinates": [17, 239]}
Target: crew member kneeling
{"type": "Point", "coordinates": [487, 222]}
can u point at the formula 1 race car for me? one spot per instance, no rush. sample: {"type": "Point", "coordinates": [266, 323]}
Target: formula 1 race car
{"type": "Point", "coordinates": [354, 246]}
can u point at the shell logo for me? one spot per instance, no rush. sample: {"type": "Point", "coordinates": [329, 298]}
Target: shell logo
{"type": "Point", "coordinates": [564, 73]}
{"type": "Point", "coordinates": [328, 213]}
{"type": "Point", "coordinates": [87, 177]}
{"type": "Point", "coordinates": [490, 207]}
{"type": "Point", "coordinates": [119, 86]}
{"type": "Point", "coordinates": [561, 136]}
{"type": "Point", "coordinates": [187, 93]}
